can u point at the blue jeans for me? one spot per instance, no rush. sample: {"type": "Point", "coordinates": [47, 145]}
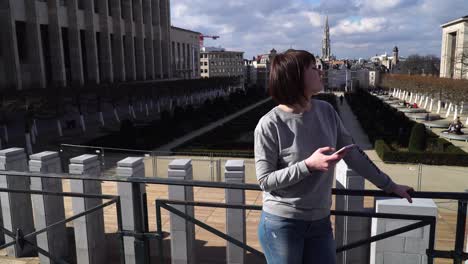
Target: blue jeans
{"type": "Point", "coordinates": [292, 241]}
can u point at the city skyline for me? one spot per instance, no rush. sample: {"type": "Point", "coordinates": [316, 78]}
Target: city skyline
{"type": "Point", "coordinates": [358, 28]}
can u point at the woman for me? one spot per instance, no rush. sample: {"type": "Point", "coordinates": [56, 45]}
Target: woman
{"type": "Point", "coordinates": [294, 165]}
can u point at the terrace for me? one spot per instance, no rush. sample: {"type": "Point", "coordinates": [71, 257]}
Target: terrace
{"type": "Point", "coordinates": [177, 208]}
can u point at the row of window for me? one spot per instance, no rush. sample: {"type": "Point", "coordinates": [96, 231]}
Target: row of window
{"type": "Point", "coordinates": [221, 63]}
{"type": "Point", "coordinates": [221, 56]}
{"type": "Point", "coordinates": [220, 70]}
{"type": "Point", "coordinates": [123, 13]}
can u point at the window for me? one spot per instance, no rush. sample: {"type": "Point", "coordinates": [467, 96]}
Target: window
{"type": "Point", "coordinates": [81, 4]}
{"type": "Point", "coordinates": [96, 6]}
{"type": "Point", "coordinates": [21, 40]}
{"type": "Point", "coordinates": [109, 8]}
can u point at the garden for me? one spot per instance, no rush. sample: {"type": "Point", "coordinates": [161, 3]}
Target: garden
{"type": "Point", "coordinates": [182, 120]}
{"type": "Point", "coordinates": [396, 138]}
{"type": "Point", "coordinates": [236, 138]}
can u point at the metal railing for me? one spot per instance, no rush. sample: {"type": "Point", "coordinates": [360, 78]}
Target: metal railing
{"type": "Point", "coordinates": [20, 239]}
{"type": "Point", "coordinates": [142, 236]}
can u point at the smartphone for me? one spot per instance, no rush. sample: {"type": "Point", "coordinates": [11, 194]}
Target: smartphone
{"type": "Point", "coordinates": [345, 148]}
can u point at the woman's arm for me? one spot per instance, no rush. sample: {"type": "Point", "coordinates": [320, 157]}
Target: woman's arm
{"type": "Point", "coordinates": [266, 148]}
{"type": "Point", "coordinates": [357, 160]}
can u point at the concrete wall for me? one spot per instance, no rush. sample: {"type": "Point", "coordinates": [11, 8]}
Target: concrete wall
{"type": "Point", "coordinates": [461, 29]}
{"type": "Point", "coordinates": [409, 247]}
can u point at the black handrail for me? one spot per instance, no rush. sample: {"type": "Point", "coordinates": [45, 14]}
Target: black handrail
{"type": "Point", "coordinates": [223, 185]}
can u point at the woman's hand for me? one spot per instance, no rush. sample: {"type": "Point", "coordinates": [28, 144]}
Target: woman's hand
{"type": "Point", "coordinates": [322, 162]}
{"type": "Point", "coordinates": [403, 191]}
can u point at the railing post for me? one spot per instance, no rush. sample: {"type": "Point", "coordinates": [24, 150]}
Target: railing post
{"type": "Point", "coordinates": [131, 194]}
{"type": "Point", "coordinates": [349, 228]}
{"type": "Point", "coordinates": [89, 230]}
{"type": "Point", "coordinates": [182, 231]}
{"type": "Point", "coordinates": [409, 247]}
{"type": "Point", "coordinates": [16, 207]}
{"type": "Point", "coordinates": [460, 233]}
{"type": "Point", "coordinates": [235, 218]}
{"type": "Point", "coordinates": [48, 209]}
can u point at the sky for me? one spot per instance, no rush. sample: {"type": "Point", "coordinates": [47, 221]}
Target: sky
{"type": "Point", "coordinates": [358, 28]}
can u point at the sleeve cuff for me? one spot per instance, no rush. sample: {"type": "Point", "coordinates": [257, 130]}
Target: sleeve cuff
{"type": "Point", "coordinates": [303, 168]}
{"type": "Point", "coordinates": [388, 188]}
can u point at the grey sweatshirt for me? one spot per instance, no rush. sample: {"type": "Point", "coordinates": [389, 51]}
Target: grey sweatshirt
{"type": "Point", "coordinates": [284, 140]}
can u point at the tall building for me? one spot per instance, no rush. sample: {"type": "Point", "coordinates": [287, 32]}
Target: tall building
{"type": "Point", "coordinates": [454, 55]}
{"type": "Point", "coordinates": [185, 53]}
{"type": "Point", "coordinates": [57, 42]}
{"type": "Point", "coordinates": [326, 48]}
{"type": "Point", "coordinates": [218, 62]}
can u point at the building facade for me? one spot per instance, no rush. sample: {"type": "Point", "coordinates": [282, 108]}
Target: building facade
{"type": "Point", "coordinates": [250, 72]}
{"type": "Point", "coordinates": [185, 53]}
{"type": "Point", "coordinates": [74, 42]}
{"type": "Point", "coordinates": [217, 62]}
{"type": "Point", "coordinates": [454, 54]}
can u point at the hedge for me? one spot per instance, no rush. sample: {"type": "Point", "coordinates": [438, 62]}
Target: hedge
{"type": "Point", "coordinates": [417, 141]}
{"type": "Point", "coordinates": [453, 156]}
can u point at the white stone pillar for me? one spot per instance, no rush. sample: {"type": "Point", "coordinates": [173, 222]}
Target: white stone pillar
{"type": "Point", "coordinates": [409, 247]}
{"type": "Point", "coordinates": [349, 229]}
{"type": "Point", "coordinates": [411, 98]}
{"type": "Point", "coordinates": [426, 102]}
{"type": "Point", "coordinates": [16, 207]}
{"type": "Point", "coordinates": [131, 203]}
{"type": "Point", "coordinates": [448, 111]}
{"type": "Point", "coordinates": [438, 107]}
{"type": "Point", "coordinates": [466, 123]}
{"type": "Point", "coordinates": [235, 218]}
{"type": "Point", "coordinates": [455, 113]}
{"type": "Point", "coordinates": [432, 104]}
{"type": "Point", "coordinates": [182, 231]}
{"type": "Point", "coordinates": [89, 230]}
{"type": "Point", "coordinates": [48, 209]}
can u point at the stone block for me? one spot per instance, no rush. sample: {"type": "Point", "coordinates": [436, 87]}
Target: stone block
{"type": "Point", "coordinates": [399, 258]}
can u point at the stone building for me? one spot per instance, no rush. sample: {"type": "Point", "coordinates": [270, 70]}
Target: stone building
{"type": "Point", "coordinates": [388, 61]}
{"type": "Point", "coordinates": [57, 42]}
{"type": "Point", "coordinates": [250, 72]}
{"type": "Point", "coordinates": [218, 62]}
{"type": "Point", "coordinates": [185, 53]}
{"type": "Point", "coordinates": [454, 54]}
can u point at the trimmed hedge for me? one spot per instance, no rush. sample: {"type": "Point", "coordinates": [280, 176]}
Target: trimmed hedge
{"type": "Point", "coordinates": [417, 141]}
{"type": "Point", "coordinates": [454, 157]}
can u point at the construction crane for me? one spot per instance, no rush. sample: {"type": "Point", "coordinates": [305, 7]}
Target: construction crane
{"type": "Point", "coordinates": [202, 38]}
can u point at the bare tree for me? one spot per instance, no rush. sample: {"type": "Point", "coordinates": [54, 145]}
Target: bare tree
{"type": "Point", "coordinates": [460, 63]}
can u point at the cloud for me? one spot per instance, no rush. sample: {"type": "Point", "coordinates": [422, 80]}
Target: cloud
{"type": "Point", "coordinates": [365, 25]}
{"type": "Point", "coordinates": [359, 28]}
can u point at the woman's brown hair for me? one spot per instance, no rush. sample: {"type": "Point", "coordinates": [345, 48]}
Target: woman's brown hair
{"type": "Point", "coordinates": [286, 84]}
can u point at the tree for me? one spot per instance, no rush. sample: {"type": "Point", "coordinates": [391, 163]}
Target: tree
{"type": "Point", "coordinates": [416, 64]}
{"type": "Point", "coordinates": [460, 63]}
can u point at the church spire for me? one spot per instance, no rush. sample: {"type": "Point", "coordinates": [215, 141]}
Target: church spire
{"type": "Point", "coordinates": [326, 49]}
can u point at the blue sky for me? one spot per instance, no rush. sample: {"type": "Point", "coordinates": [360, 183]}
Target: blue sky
{"type": "Point", "coordinates": [359, 28]}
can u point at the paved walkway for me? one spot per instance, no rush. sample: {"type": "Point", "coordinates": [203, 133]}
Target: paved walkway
{"type": "Point", "coordinates": [352, 124]}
